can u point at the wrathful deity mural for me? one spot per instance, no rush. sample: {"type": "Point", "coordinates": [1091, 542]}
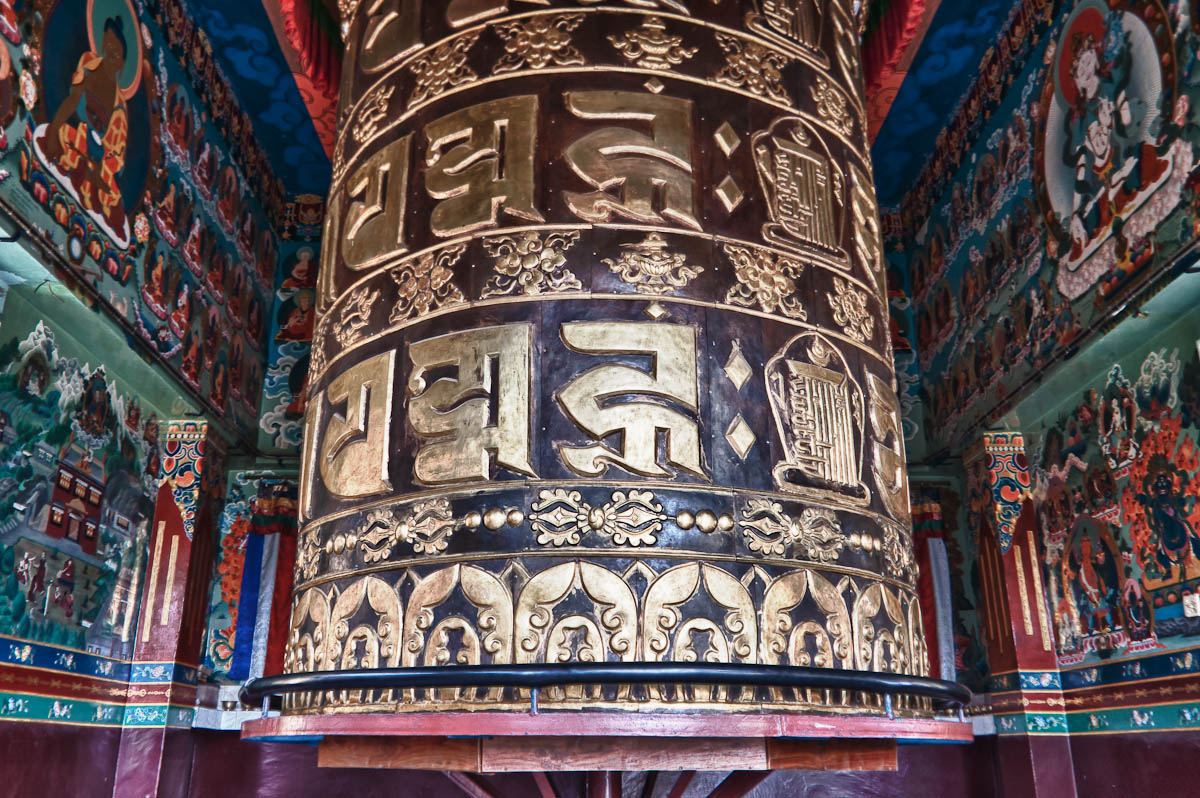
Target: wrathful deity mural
{"type": "Point", "coordinates": [140, 185]}
{"type": "Point", "coordinates": [1080, 186]}
{"type": "Point", "coordinates": [1115, 480]}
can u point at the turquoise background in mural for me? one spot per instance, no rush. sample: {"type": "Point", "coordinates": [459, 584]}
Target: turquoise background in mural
{"type": "Point", "coordinates": [77, 405]}
{"type": "Point", "coordinates": [1044, 231]}
{"type": "Point", "coordinates": [155, 214]}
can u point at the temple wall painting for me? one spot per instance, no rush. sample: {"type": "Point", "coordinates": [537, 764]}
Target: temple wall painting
{"type": "Point", "coordinates": [293, 316]}
{"type": "Point", "coordinates": [1079, 190]}
{"type": "Point", "coordinates": [1115, 480]}
{"type": "Point", "coordinates": [80, 460]}
{"type": "Point", "coordinates": [156, 196]}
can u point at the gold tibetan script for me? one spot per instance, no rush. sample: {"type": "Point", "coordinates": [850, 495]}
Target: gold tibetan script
{"type": "Point", "coordinates": [647, 178]}
{"type": "Point", "coordinates": [472, 417]}
{"type": "Point", "coordinates": [596, 400]}
{"type": "Point", "coordinates": [392, 30]}
{"type": "Point", "coordinates": [479, 162]}
{"type": "Point", "coordinates": [373, 227]}
{"type": "Point", "coordinates": [353, 458]}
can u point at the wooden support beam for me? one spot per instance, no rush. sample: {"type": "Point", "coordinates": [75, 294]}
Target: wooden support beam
{"type": "Point", "coordinates": [411, 753]}
{"type": "Point", "coordinates": [556, 754]}
{"type": "Point", "coordinates": [681, 784]}
{"type": "Point", "coordinates": [858, 755]}
{"type": "Point", "coordinates": [749, 725]}
{"type": "Point", "coordinates": [738, 783]}
{"type": "Point", "coordinates": [545, 788]}
{"type": "Point", "coordinates": [471, 785]}
{"type": "Point", "coordinates": [650, 783]}
{"type": "Point", "coordinates": [507, 754]}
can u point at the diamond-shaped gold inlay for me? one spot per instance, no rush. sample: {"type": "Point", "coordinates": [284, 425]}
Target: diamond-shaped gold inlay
{"type": "Point", "coordinates": [656, 311]}
{"type": "Point", "coordinates": [727, 138]}
{"type": "Point", "coordinates": [655, 85]}
{"type": "Point", "coordinates": [736, 368]}
{"type": "Point", "coordinates": [741, 438]}
{"type": "Point", "coordinates": [729, 193]}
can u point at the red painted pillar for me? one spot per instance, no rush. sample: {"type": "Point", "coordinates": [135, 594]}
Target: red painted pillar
{"type": "Point", "coordinates": [155, 754]}
{"type": "Point", "coordinates": [1026, 690]}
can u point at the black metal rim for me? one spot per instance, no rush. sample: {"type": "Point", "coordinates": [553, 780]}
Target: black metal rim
{"type": "Point", "coordinates": [536, 676]}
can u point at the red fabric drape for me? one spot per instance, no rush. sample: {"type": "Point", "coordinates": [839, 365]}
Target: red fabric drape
{"type": "Point", "coordinates": [884, 46]}
{"type": "Point", "coordinates": [312, 33]}
{"type": "Point", "coordinates": [281, 604]}
{"type": "Point", "coordinates": [275, 512]}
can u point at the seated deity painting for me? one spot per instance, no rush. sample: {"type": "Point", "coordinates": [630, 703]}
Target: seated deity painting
{"type": "Point", "coordinates": [1101, 158]}
{"type": "Point", "coordinates": [86, 142]}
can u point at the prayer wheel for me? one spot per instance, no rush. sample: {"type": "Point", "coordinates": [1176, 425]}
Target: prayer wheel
{"type": "Point", "coordinates": [602, 370]}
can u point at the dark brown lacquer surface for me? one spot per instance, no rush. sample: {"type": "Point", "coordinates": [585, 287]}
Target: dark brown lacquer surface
{"type": "Point", "coordinates": [602, 371]}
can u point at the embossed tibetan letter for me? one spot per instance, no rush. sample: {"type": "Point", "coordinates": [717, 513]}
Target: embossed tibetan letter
{"type": "Point", "coordinates": [488, 166]}
{"type": "Point", "coordinates": [354, 450]}
{"type": "Point", "coordinates": [587, 399]}
{"type": "Point", "coordinates": [373, 229]}
{"type": "Point", "coordinates": [472, 415]}
{"type": "Point", "coordinates": [644, 178]}
{"type": "Point", "coordinates": [392, 30]}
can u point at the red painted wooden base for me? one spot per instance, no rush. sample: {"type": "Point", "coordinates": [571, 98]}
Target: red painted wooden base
{"type": "Point", "coordinates": [604, 724]}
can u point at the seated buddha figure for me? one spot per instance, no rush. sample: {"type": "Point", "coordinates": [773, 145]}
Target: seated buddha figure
{"type": "Point", "coordinates": [166, 214]}
{"type": "Point", "coordinates": [85, 140]}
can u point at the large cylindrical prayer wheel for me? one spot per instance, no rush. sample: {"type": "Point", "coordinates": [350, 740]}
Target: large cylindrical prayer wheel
{"type": "Point", "coordinates": [602, 370]}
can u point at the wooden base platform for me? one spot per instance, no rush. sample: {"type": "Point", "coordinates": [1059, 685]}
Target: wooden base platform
{"type": "Point", "coordinates": [495, 742]}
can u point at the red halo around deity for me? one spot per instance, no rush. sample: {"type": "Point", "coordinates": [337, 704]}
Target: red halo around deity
{"type": "Point", "coordinates": [1088, 22]}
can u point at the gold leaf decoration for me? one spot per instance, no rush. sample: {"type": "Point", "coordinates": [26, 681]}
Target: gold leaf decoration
{"type": "Point", "coordinates": [427, 527]}
{"type": "Point", "coordinates": [426, 283]}
{"type": "Point", "coordinates": [753, 67]}
{"type": "Point", "coordinates": [355, 316]}
{"type": "Point", "coordinates": [528, 264]}
{"type": "Point", "coordinates": [443, 68]}
{"type": "Point", "coordinates": [538, 43]}
{"type": "Point", "coordinates": [650, 267]}
{"type": "Point", "coordinates": [850, 310]}
{"type": "Point", "coordinates": [832, 106]}
{"type": "Point", "coordinates": [765, 279]}
{"type": "Point", "coordinates": [651, 47]}
{"type": "Point", "coordinates": [561, 518]}
{"type": "Point", "coordinates": [817, 533]}
{"type": "Point", "coordinates": [374, 111]}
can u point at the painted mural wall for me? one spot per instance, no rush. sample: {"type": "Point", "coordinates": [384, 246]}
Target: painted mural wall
{"type": "Point", "coordinates": [79, 467]}
{"type": "Point", "coordinates": [293, 315]}
{"type": "Point", "coordinates": [152, 192]}
{"type": "Point", "coordinates": [1080, 189]}
{"type": "Point", "coordinates": [1116, 472]}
